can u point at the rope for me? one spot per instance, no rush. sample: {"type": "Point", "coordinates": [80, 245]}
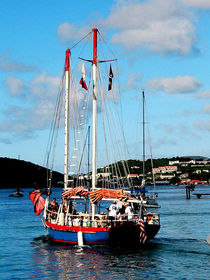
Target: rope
{"type": "Point", "coordinates": [80, 40]}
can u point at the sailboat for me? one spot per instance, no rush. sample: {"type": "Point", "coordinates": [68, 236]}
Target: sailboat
{"type": "Point", "coordinates": [131, 221]}
{"type": "Point", "coordinates": [141, 189]}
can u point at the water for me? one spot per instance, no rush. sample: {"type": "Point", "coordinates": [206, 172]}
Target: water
{"type": "Point", "coordinates": [179, 251]}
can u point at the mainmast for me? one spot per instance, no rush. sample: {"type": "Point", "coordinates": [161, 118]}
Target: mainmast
{"type": "Point", "coordinates": [94, 131]}
{"type": "Point", "coordinates": [94, 62]}
{"type": "Point", "coordinates": [66, 141]}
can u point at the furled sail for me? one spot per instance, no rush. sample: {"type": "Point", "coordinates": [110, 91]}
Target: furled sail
{"type": "Point", "coordinates": [96, 195]}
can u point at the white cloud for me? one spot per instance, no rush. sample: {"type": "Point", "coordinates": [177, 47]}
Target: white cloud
{"type": "Point", "coordinates": [203, 94]}
{"type": "Point", "coordinates": [162, 26]}
{"type": "Point", "coordinates": [179, 84]}
{"type": "Point", "coordinates": [200, 4]}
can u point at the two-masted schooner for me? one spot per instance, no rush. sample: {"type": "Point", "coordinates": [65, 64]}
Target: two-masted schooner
{"type": "Point", "coordinates": [132, 222]}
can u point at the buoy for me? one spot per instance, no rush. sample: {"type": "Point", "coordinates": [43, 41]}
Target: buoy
{"type": "Point", "coordinates": [80, 238]}
{"type": "Point", "coordinates": [208, 239]}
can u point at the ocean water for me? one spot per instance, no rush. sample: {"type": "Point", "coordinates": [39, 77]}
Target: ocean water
{"type": "Point", "coordinates": [179, 251]}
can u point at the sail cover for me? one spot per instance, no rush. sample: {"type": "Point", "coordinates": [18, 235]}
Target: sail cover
{"type": "Point", "coordinates": [38, 201]}
{"type": "Point", "coordinates": [74, 191]}
{"type": "Point", "coordinates": [96, 195]}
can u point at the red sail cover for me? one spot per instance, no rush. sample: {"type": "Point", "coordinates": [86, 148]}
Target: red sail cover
{"type": "Point", "coordinates": [38, 201]}
{"type": "Point", "coordinates": [74, 191]}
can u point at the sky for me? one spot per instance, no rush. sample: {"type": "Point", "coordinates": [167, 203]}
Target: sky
{"type": "Point", "coordinates": [162, 47]}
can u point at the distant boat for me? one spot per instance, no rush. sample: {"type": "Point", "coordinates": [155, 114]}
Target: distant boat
{"type": "Point", "coordinates": [91, 226]}
{"type": "Point", "coordinates": [140, 190]}
{"type": "Point", "coordinates": [17, 193]}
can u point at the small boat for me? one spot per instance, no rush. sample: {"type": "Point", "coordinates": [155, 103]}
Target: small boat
{"type": "Point", "coordinates": [128, 220]}
{"type": "Point", "coordinates": [17, 193]}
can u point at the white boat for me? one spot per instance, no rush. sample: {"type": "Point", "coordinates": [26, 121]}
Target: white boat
{"type": "Point", "coordinates": [91, 225]}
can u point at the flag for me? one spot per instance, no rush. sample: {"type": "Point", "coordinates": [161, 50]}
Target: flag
{"type": "Point", "coordinates": [143, 236]}
{"type": "Point", "coordinates": [38, 201]}
{"type": "Point", "coordinates": [110, 78]}
{"type": "Point", "coordinates": [82, 81]}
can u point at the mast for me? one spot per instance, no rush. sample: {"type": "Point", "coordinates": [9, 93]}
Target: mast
{"type": "Point", "coordinates": [88, 158]}
{"type": "Point", "coordinates": [66, 140]}
{"type": "Point", "coordinates": [94, 131]}
{"type": "Point", "coordinates": [143, 135]}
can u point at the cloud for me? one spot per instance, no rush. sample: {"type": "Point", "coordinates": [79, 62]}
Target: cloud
{"type": "Point", "coordinates": [9, 65]}
{"type": "Point", "coordinates": [162, 26]}
{"type": "Point", "coordinates": [200, 4]}
{"type": "Point", "coordinates": [165, 141]}
{"type": "Point", "coordinates": [68, 32]}
{"type": "Point", "coordinates": [202, 125]}
{"type": "Point", "coordinates": [206, 108]}
{"type": "Point", "coordinates": [133, 81]}
{"type": "Point", "coordinates": [14, 85]}
{"type": "Point", "coordinates": [37, 99]}
{"type": "Point", "coordinates": [203, 94]}
{"type": "Point", "coordinates": [179, 84]}
{"type": "Point", "coordinates": [41, 87]}
{"type": "Point", "coordinates": [44, 86]}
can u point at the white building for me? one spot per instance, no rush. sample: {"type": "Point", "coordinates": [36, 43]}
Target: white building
{"type": "Point", "coordinates": [166, 177]}
{"type": "Point", "coordinates": [172, 162]}
{"type": "Point", "coordinates": [165, 169]}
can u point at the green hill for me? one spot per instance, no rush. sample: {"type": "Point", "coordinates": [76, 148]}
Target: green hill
{"type": "Point", "coordinates": [19, 173]}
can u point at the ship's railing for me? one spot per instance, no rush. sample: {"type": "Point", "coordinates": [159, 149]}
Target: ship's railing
{"type": "Point", "coordinates": [100, 220]}
{"type": "Point", "coordinates": [151, 218]}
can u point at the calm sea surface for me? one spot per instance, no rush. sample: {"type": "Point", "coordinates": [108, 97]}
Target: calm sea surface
{"type": "Point", "coordinates": [179, 251]}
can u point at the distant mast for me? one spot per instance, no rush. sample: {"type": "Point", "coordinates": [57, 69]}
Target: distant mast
{"type": "Point", "coordinates": [66, 141]}
{"type": "Point", "coordinates": [94, 132]}
{"type": "Point", "coordinates": [143, 136]}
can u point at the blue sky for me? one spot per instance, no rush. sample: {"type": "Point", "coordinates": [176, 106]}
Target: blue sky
{"type": "Point", "coordinates": [162, 47]}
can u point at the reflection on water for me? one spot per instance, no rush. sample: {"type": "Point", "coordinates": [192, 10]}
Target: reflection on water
{"type": "Point", "coordinates": [94, 262]}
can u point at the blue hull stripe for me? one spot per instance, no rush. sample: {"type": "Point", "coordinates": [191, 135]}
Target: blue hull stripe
{"type": "Point", "coordinates": [71, 237]}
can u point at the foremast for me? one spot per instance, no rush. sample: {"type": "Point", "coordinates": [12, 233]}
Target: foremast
{"type": "Point", "coordinates": [66, 130]}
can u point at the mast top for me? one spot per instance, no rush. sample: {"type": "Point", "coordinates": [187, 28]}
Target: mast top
{"type": "Point", "coordinates": [67, 63]}
{"type": "Point", "coordinates": [95, 30]}
{"type": "Point", "coordinates": [95, 55]}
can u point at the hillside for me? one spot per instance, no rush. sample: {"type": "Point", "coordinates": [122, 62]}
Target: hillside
{"type": "Point", "coordinates": [19, 173]}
